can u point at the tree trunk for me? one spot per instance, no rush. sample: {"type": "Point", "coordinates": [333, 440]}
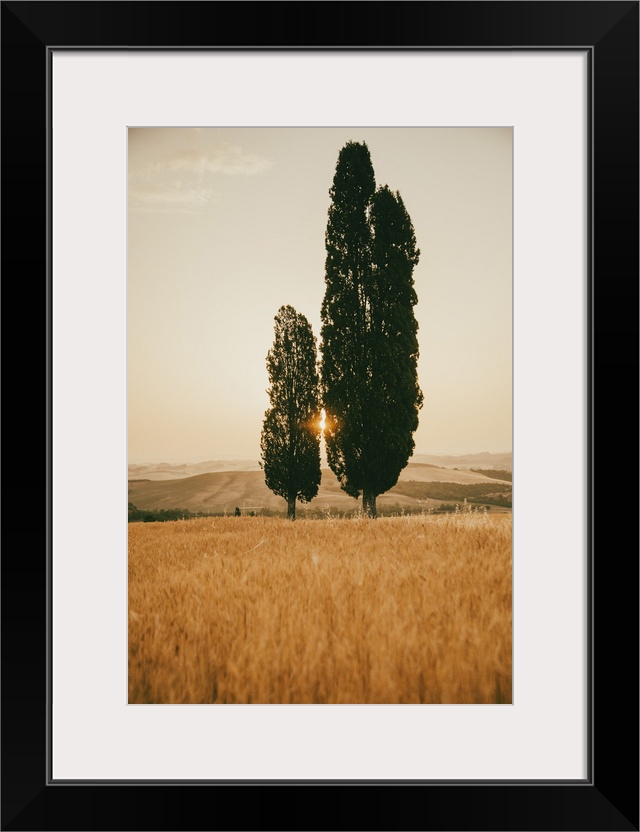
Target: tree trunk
{"type": "Point", "coordinates": [369, 503]}
{"type": "Point", "coordinates": [291, 507]}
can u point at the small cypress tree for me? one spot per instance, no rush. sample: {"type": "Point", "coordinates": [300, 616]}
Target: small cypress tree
{"type": "Point", "coordinates": [290, 441]}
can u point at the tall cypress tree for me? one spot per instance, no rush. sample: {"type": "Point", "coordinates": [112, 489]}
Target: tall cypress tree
{"type": "Point", "coordinates": [347, 266]}
{"type": "Point", "coordinates": [290, 440]}
{"type": "Point", "coordinates": [369, 332]}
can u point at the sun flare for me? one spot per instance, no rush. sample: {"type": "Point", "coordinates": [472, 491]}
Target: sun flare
{"type": "Point", "coordinates": [323, 420]}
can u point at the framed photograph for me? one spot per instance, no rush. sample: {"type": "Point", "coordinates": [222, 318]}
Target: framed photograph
{"type": "Point", "coordinates": [331, 431]}
{"type": "Point", "coordinates": [128, 126]}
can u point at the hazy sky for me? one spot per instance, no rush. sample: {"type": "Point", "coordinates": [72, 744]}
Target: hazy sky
{"type": "Point", "coordinates": [226, 225]}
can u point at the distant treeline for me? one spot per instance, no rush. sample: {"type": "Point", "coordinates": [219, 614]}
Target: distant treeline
{"type": "Point", "coordinates": [142, 515]}
{"type": "Point", "coordinates": [452, 494]}
{"type": "Point", "coordinates": [494, 473]}
{"type": "Point", "coordinates": [497, 494]}
{"type": "Point", "coordinates": [146, 515]}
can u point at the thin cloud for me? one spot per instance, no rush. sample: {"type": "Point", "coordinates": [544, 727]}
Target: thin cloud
{"type": "Point", "coordinates": [231, 161]}
{"type": "Point", "coordinates": [179, 179]}
{"type": "Point", "coordinates": [171, 199]}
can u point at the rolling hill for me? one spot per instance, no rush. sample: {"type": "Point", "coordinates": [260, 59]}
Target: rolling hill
{"type": "Point", "coordinates": [170, 471]}
{"type": "Point", "coordinates": [219, 492]}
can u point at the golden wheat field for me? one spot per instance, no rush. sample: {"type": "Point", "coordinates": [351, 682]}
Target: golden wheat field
{"type": "Point", "coordinates": [261, 610]}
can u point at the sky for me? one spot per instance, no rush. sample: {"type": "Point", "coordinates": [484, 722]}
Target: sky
{"type": "Point", "coordinates": [226, 225]}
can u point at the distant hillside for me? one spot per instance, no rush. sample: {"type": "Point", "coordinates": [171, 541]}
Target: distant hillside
{"type": "Point", "coordinates": [495, 473]}
{"type": "Point", "coordinates": [221, 491]}
{"type": "Point", "coordinates": [502, 461]}
{"type": "Point", "coordinates": [167, 471]}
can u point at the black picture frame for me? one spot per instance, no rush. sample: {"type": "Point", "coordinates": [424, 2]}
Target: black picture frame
{"type": "Point", "coordinates": [608, 798]}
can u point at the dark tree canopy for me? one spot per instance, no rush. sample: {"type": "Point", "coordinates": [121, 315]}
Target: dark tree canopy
{"type": "Point", "coordinates": [290, 441]}
{"type": "Point", "coordinates": [369, 338]}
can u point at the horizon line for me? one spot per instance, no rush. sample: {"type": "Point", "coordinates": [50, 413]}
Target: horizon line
{"type": "Point", "coordinates": [256, 459]}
